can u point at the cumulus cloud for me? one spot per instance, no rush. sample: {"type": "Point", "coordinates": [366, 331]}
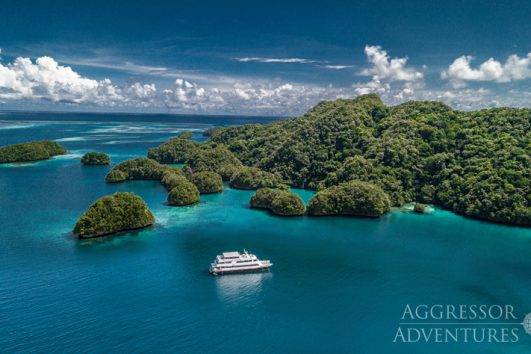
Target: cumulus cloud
{"type": "Point", "coordinates": [246, 97]}
{"type": "Point", "coordinates": [384, 71]}
{"type": "Point", "coordinates": [46, 79]}
{"type": "Point", "coordinates": [137, 90]}
{"type": "Point", "coordinates": [190, 96]}
{"type": "Point", "coordinates": [385, 68]}
{"type": "Point", "coordinates": [514, 69]}
{"type": "Point", "coordinates": [276, 60]}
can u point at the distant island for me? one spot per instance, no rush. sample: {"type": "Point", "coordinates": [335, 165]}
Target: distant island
{"type": "Point", "coordinates": [95, 158]}
{"type": "Point", "coordinates": [375, 156]}
{"type": "Point", "coordinates": [114, 213]}
{"type": "Point", "coordinates": [30, 151]}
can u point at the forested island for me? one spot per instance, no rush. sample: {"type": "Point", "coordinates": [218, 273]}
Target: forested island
{"type": "Point", "coordinates": [279, 201]}
{"type": "Point", "coordinates": [94, 158]}
{"type": "Point", "coordinates": [30, 151]}
{"type": "Point", "coordinates": [473, 163]}
{"type": "Point", "coordinates": [114, 213]}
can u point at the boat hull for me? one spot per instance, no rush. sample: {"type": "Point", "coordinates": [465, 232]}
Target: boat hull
{"type": "Point", "coordinates": [239, 271]}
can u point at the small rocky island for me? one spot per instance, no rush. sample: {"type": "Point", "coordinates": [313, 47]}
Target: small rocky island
{"type": "Point", "coordinates": [114, 213]}
{"type": "Point", "coordinates": [30, 151]}
{"type": "Point", "coordinates": [279, 201]}
{"type": "Point", "coordinates": [207, 182]}
{"type": "Point", "coordinates": [170, 179]}
{"type": "Point", "coordinates": [136, 169]}
{"type": "Point", "coordinates": [350, 198]}
{"type": "Point", "coordinates": [94, 158]}
{"type": "Point", "coordinates": [198, 157]}
{"type": "Point", "coordinates": [183, 193]}
{"type": "Point", "coordinates": [175, 150]}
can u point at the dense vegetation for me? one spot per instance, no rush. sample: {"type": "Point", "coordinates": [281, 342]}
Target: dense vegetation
{"type": "Point", "coordinates": [278, 201]}
{"type": "Point", "coordinates": [287, 203]}
{"type": "Point", "coordinates": [176, 150]}
{"type": "Point", "coordinates": [350, 198]}
{"type": "Point", "coordinates": [253, 178]}
{"type": "Point", "coordinates": [474, 163]}
{"type": "Point", "coordinates": [171, 179]}
{"type": "Point", "coordinates": [216, 158]}
{"type": "Point", "coordinates": [262, 198]}
{"type": "Point", "coordinates": [207, 182]}
{"type": "Point", "coordinates": [30, 151]}
{"type": "Point", "coordinates": [211, 157]}
{"type": "Point", "coordinates": [139, 168]}
{"type": "Point", "coordinates": [95, 158]}
{"type": "Point", "coordinates": [114, 213]}
{"type": "Point", "coordinates": [183, 193]}
{"type": "Point", "coordinates": [116, 176]}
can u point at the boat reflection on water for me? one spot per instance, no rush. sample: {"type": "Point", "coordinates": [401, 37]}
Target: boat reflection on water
{"type": "Point", "coordinates": [237, 286]}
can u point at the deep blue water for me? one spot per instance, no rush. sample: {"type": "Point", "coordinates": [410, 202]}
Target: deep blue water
{"type": "Point", "coordinates": [337, 285]}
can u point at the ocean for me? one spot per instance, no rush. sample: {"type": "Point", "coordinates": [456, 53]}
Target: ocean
{"type": "Point", "coordinates": [338, 284]}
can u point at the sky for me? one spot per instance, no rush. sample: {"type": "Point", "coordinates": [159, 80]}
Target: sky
{"type": "Point", "coordinates": [261, 58]}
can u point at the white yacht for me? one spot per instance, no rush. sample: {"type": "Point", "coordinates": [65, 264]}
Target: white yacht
{"type": "Point", "coordinates": [236, 262]}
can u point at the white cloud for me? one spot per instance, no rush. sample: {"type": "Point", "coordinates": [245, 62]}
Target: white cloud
{"type": "Point", "coordinates": [384, 71]}
{"type": "Point", "coordinates": [246, 97]}
{"type": "Point", "coordinates": [276, 60]}
{"type": "Point", "coordinates": [514, 69]}
{"type": "Point", "coordinates": [384, 68]}
{"type": "Point", "coordinates": [46, 79]}
{"type": "Point", "coordinates": [337, 67]}
{"type": "Point", "coordinates": [137, 90]}
{"type": "Point", "coordinates": [190, 96]}
{"type": "Point", "coordinates": [375, 85]}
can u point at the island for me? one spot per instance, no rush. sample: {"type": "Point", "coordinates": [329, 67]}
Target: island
{"type": "Point", "coordinates": [279, 201]}
{"type": "Point", "coordinates": [183, 193]}
{"type": "Point", "coordinates": [213, 157]}
{"type": "Point", "coordinates": [94, 158]}
{"type": "Point", "coordinates": [175, 150]}
{"type": "Point", "coordinates": [137, 169]}
{"type": "Point", "coordinates": [474, 163]}
{"type": "Point", "coordinates": [30, 151]}
{"type": "Point", "coordinates": [172, 178]}
{"type": "Point", "coordinates": [114, 213]}
{"type": "Point", "coordinates": [207, 182]}
{"type": "Point", "coordinates": [356, 198]}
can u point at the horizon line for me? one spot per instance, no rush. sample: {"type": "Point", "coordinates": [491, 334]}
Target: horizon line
{"type": "Point", "coordinates": [213, 115]}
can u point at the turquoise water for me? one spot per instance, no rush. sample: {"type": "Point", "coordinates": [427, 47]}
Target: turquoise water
{"type": "Point", "coordinates": [337, 285]}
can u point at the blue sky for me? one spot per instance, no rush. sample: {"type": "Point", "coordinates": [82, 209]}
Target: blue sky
{"type": "Point", "coordinates": [271, 58]}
